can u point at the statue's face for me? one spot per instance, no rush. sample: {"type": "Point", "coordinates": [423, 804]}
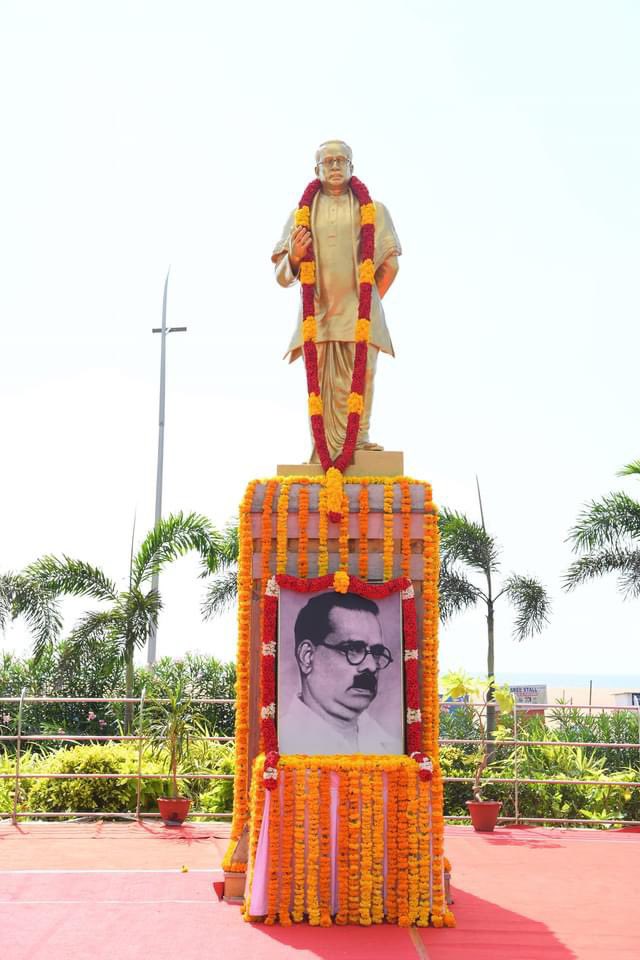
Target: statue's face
{"type": "Point", "coordinates": [334, 166]}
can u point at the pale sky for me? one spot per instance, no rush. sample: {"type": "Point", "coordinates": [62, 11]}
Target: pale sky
{"type": "Point", "coordinates": [504, 137]}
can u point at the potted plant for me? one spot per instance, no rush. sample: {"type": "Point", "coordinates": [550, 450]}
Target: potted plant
{"type": "Point", "coordinates": [459, 686]}
{"type": "Point", "coordinates": [171, 724]}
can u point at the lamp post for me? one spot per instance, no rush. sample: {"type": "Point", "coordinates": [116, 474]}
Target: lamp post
{"type": "Point", "coordinates": [164, 330]}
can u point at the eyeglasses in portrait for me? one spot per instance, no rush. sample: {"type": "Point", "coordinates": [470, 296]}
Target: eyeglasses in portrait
{"type": "Point", "coordinates": [340, 674]}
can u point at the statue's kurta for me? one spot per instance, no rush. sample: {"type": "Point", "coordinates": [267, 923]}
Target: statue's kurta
{"type": "Point", "coordinates": [335, 226]}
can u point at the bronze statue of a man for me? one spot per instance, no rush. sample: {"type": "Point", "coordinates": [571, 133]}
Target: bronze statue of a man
{"type": "Point", "coordinates": [335, 233]}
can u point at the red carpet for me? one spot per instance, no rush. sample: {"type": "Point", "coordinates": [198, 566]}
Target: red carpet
{"type": "Point", "coordinates": [520, 894]}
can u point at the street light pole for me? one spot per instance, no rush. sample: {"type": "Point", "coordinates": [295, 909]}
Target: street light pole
{"type": "Point", "coordinates": [163, 331]}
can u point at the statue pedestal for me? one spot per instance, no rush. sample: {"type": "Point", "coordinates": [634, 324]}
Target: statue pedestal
{"type": "Point", "coordinates": [366, 463]}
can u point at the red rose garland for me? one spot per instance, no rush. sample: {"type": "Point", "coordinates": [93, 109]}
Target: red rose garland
{"type": "Point", "coordinates": [375, 591]}
{"type": "Point", "coordinates": [362, 325]}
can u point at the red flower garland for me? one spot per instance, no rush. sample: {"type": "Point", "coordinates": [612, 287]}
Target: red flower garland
{"type": "Point", "coordinates": [367, 246]}
{"type": "Point", "coordinates": [375, 591]}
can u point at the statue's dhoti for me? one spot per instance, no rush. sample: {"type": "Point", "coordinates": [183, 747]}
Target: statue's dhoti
{"type": "Point", "coordinates": [335, 369]}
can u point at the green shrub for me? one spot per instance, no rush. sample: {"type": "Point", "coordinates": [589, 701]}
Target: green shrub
{"type": "Point", "coordinates": [218, 795]}
{"type": "Point", "coordinates": [103, 795]}
{"type": "Point", "coordinates": [7, 787]}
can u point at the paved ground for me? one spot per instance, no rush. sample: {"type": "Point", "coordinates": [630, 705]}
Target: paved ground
{"type": "Point", "coordinates": [68, 891]}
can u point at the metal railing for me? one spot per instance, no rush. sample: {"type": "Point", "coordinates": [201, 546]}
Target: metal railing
{"type": "Point", "coordinates": [516, 742]}
{"type": "Point", "coordinates": [20, 739]}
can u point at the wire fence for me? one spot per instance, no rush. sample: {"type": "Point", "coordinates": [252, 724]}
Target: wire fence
{"type": "Point", "coordinates": [21, 738]}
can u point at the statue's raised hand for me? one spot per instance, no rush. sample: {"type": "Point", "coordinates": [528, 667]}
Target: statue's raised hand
{"type": "Point", "coordinates": [299, 243]}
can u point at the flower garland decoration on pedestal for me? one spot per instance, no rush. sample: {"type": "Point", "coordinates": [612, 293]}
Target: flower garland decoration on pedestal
{"type": "Point", "coordinates": [334, 468]}
{"type": "Point", "coordinates": [341, 582]}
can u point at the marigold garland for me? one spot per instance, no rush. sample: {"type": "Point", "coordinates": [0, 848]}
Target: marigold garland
{"type": "Point", "coordinates": [303, 530]}
{"type": "Point", "coordinates": [313, 847]}
{"type": "Point", "coordinates": [307, 282]}
{"type": "Point", "coordinates": [413, 831]}
{"type": "Point", "coordinates": [286, 855]}
{"type": "Point", "coordinates": [274, 858]}
{"type": "Point", "coordinates": [405, 507]}
{"type": "Point", "coordinates": [391, 906]}
{"type": "Point", "coordinates": [387, 549]}
{"type": "Point", "coordinates": [342, 916]}
{"type": "Point", "coordinates": [299, 883]}
{"type": "Point", "coordinates": [402, 882]}
{"type": "Point", "coordinates": [324, 873]}
{"type": "Point", "coordinates": [354, 845]}
{"type": "Point", "coordinates": [363, 530]}
{"type": "Point", "coordinates": [377, 865]}
{"type": "Point", "coordinates": [241, 776]}
{"type": "Point", "coordinates": [366, 850]}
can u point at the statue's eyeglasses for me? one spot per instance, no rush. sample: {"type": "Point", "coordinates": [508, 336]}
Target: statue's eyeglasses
{"type": "Point", "coordinates": [356, 652]}
{"type": "Point", "coordinates": [328, 162]}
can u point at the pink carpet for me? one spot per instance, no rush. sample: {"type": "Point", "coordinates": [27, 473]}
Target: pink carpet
{"type": "Point", "coordinates": [520, 894]}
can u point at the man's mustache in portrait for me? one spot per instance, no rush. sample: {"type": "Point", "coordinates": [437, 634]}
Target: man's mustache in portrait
{"type": "Point", "coordinates": [366, 681]}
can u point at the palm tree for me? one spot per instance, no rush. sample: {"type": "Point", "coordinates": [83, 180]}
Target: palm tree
{"type": "Point", "coordinates": [131, 614]}
{"type": "Point", "coordinates": [467, 543]}
{"type": "Point", "coordinates": [19, 597]}
{"type": "Point", "coordinates": [607, 535]}
{"type": "Point", "coordinates": [222, 591]}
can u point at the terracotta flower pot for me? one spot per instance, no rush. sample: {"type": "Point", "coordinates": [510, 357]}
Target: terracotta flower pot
{"type": "Point", "coordinates": [484, 814]}
{"type": "Point", "coordinates": [174, 810]}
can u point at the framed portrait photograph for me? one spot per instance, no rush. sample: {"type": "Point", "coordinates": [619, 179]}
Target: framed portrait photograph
{"type": "Point", "coordinates": [340, 678]}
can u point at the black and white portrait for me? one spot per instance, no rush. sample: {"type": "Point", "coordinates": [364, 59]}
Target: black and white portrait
{"type": "Point", "coordinates": [340, 670]}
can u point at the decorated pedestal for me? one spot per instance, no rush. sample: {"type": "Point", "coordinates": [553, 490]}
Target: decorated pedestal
{"type": "Point", "coordinates": [353, 836]}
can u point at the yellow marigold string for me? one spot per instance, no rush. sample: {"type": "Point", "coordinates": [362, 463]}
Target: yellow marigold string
{"type": "Point", "coordinates": [303, 531]}
{"type": "Point", "coordinates": [377, 865]}
{"type": "Point", "coordinates": [309, 329]}
{"type": "Point", "coordinates": [245, 580]}
{"type": "Point", "coordinates": [313, 846]}
{"type": "Point", "coordinates": [342, 916]}
{"type": "Point", "coordinates": [392, 846]}
{"type": "Point", "coordinates": [315, 404]}
{"type": "Point", "coordinates": [405, 565]}
{"type": "Point", "coordinates": [363, 530]}
{"type": "Point", "coordinates": [354, 846]}
{"type": "Point", "coordinates": [308, 271]}
{"type": "Point", "coordinates": [323, 533]}
{"type": "Point", "coordinates": [325, 848]}
{"type": "Point", "coordinates": [366, 850]}
{"type": "Point", "coordinates": [286, 846]}
{"type": "Point", "coordinates": [367, 272]}
{"type": "Point", "coordinates": [355, 403]}
{"type": "Point", "coordinates": [412, 837]}
{"type": "Point", "coordinates": [299, 882]}
{"type": "Point", "coordinates": [335, 490]}
{"type": "Point", "coordinates": [274, 857]}
{"type": "Point", "coordinates": [403, 851]}
{"type": "Point", "coordinates": [424, 864]}
{"type": "Point", "coordinates": [363, 330]}
{"type": "Point", "coordinates": [367, 213]}
{"type": "Point", "coordinates": [343, 536]}
{"type": "Point", "coordinates": [265, 562]}
{"type": "Point", "coordinates": [282, 527]}
{"type": "Point", "coordinates": [341, 581]}
{"type": "Point", "coordinates": [387, 549]}
{"type": "Point", "coordinates": [303, 217]}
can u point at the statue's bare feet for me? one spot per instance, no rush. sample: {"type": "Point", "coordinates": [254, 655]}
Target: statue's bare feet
{"type": "Point", "coordinates": [372, 446]}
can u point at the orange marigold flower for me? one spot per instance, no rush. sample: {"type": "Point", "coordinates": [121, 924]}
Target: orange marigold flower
{"type": "Point", "coordinates": [309, 328]}
{"type": "Point", "coordinates": [315, 404]}
{"type": "Point", "coordinates": [367, 272]}
{"type": "Point", "coordinates": [308, 271]}
{"type": "Point", "coordinates": [303, 217]}
{"type": "Point", "coordinates": [363, 328]}
{"type": "Point", "coordinates": [368, 213]}
{"type": "Point", "coordinates": [355, 403]}
{"type": "Point", "coordinates": [341, 581]}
